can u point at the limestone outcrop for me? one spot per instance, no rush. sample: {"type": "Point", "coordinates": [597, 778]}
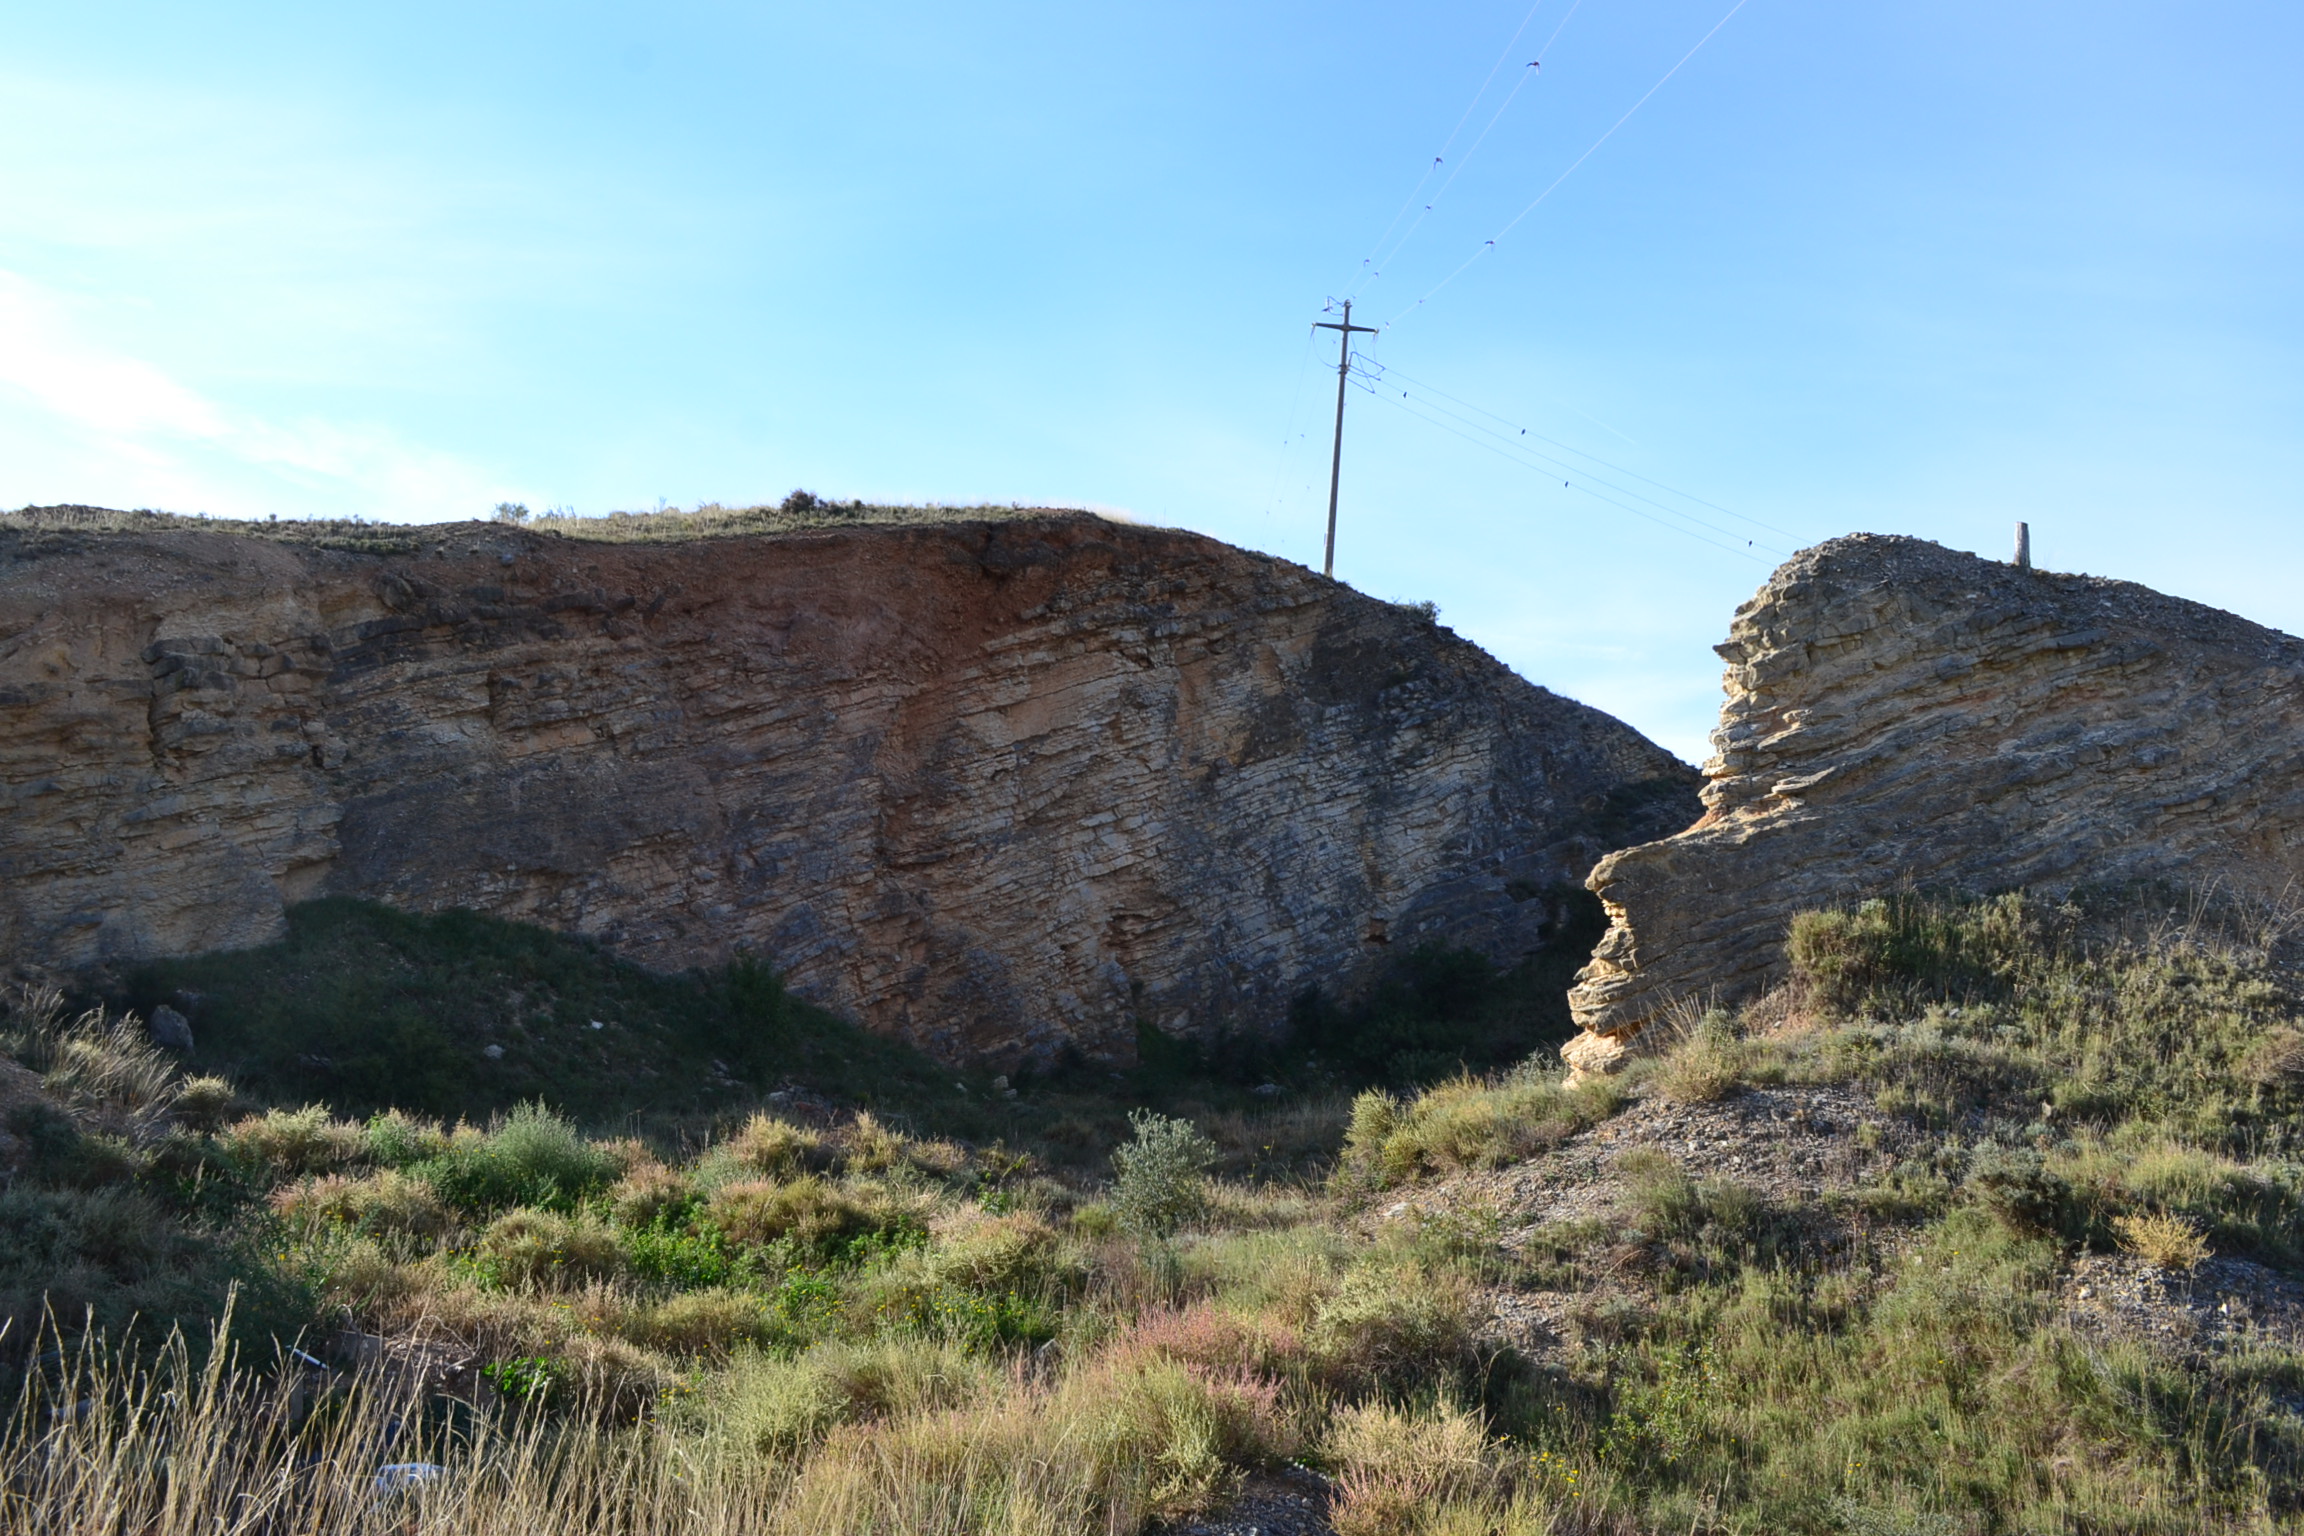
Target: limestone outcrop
{"type": "Point", "coordinates": [1901, 716]}
{"type": "Point", "coordinates": [1000, 788]}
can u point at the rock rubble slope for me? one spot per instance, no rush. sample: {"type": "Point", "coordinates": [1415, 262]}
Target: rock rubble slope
{"type": "Point", "coordinates": [1900, 715]}
{"type": "Point", "coordinates": [1000, 788]}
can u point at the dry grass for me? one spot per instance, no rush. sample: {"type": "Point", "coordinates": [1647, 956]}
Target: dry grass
{"type": "Point", "coordinates": [1468, 1122]}
{"type": "Point", "coordinates": [2162, 1240]}
{"type": "Point", "coordinates": [1396, 1466]}
{"type": "Point", "coordinates": [902, 1437]}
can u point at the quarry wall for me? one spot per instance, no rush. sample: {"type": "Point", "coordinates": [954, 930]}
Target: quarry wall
{"type": "Point", "coordinates": [997, 788]}
{"type": "Point", "coordinates": [1902, 716]}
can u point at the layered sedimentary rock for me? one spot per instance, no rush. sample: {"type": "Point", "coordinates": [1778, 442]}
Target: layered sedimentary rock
{"type": "Point", "coordinates": [998, 788]}
{"type": "Point", "coordinates": [1902, 716]}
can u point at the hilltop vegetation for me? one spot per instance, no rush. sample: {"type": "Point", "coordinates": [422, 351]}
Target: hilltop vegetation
{"type": "Point", "coordinates": [1934, 1239]}
{"type": "Point", "coordinates": [799, 511]}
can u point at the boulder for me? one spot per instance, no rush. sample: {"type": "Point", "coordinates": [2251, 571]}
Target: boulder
{"type": "Point", "coordinates": [170, 1030]}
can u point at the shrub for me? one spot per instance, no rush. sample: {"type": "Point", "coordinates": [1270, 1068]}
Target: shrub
{"type": "Point", "coordinates": [807, 1211]}
{"type": "Point", "coordinates": [1018, 1251]}
{"type": "Point", "coordinates": [58, 1152]}
{"type": "Point", "coordinates": [603, 1376]}
{"type": "Point", "coordinates": [650, 1193]}
{"type": "Point", "coordinates": [114, 1257]}
{"type": "Point", "coordinates": [680, 1256]}
{"type": "Point", "coordinates": [1468, 1123]}
{"type": "Point", "coordinates": [713, 1321]}
{"type": "Point", "coordinates": [540, 1250]}
{"type": "Point", "coordinates": [2276, 1060]}
{"type": "Point", "coordinates": [1394, 1325]}
{"type": "Point", "coordinates": [1394, 1466]}
{"type": "Point", "coordinates": [94, 1058]}
{"type": "Point", "coordinates": [778, 1148]}
{"type": "Point", "coordinates": [2120, 1007]}
{"type": "Point", "coordinates": [773, 1404]}
{"type": "Point", "coordinates": [533, 1158]}
{"type": "Point", "coordinates": [1215, 1338]}
{"type": "Point", "coordinates": [396, 1140]}
{"type": "Point", "coordinates": [205, 1103]}
{"type": "Point", "coordinates": [1184, 1430]}
{"type": "Point", "coordinates": [1160, 1178]}
{"type": "Point", "coordinates": [296, 1141]}
{"type": "Point", "coordinates": [2017, 1185]}
{"type": "Point", "coordinates": [386, 1204]}
{"type": "Point", "coordinates": [2162, 1240]}
{"type": "Point", "coordinates": [1705, 1063]}
{"type": "Point", "coordinates": [1667, 1204]}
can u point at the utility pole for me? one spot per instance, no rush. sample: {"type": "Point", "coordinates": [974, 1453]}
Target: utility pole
{"type": "Point", "coordinates": [1336, 459]}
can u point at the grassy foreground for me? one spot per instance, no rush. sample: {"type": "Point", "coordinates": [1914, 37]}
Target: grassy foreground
{"type": "Point", "coordinates": [831, 1320]}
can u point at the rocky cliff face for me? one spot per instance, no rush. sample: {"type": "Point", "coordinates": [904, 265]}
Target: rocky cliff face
{"type": "Point", "coordinates": [1899, 715]}
{"type": "Point", "coordinates": [995, 788]}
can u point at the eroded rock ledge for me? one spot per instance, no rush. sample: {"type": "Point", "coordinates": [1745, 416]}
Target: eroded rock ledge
{"type": "Point", "coordinates": [997, 788]}
{"type": "Point", "coordinates": [1899, 715]}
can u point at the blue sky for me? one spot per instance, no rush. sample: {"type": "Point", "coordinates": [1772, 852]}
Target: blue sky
{"type": "Point", "coordinates": [1900, 267]}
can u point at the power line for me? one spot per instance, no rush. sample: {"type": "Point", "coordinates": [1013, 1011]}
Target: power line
{"type": "Point", "coordinates": [1743, 549]}
{"type": "Point", "coordinates": [1490, 245]}
{"type": "Point", "coordinates": [1449, 143]}
{"type": "Point", "coordinates": [1295, 402]}
{"type": "Point", "coordinates": [1374, 270]}
{"type": "Point", "coordinates": [1384, 372]}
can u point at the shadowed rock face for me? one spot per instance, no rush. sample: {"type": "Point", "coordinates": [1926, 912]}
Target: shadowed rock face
{"type": "Point", "coordinates": [998, 788]}
{"type": "Point", "coordinates": [1900, 715]}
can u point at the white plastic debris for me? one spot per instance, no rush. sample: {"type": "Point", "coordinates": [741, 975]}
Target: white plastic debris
{"type": "Point", "coordinates": [401, 1476]}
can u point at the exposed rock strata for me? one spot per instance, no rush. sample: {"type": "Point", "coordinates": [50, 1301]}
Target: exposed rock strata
{"type": "Point", "coordinates": [991, 787]}
{"type": "Point", "coordinates": [1899, 715]}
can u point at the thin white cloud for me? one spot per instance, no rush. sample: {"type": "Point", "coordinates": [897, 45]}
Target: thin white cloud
{"type": "Point", "coordinates": [41, 358]}
{"type": "Point", "coordinates": [89, 412]}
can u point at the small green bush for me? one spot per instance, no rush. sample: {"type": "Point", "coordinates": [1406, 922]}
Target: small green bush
{"type": "Point", "coordinates": [396, 1140]}
{"type": "Point", "coordinates": [534, 1158]}
{"type": "Point", "coordinates": [1160, 1176]}
{"type": "Point", "coordinates": [1667, 1204]}
{"type": "Point", "coordinates": [59, 1153]}
{"type": "Point", "coordinates": [1707, 1064]}
{"type": "Point", "coordinates": [673, 1254]}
